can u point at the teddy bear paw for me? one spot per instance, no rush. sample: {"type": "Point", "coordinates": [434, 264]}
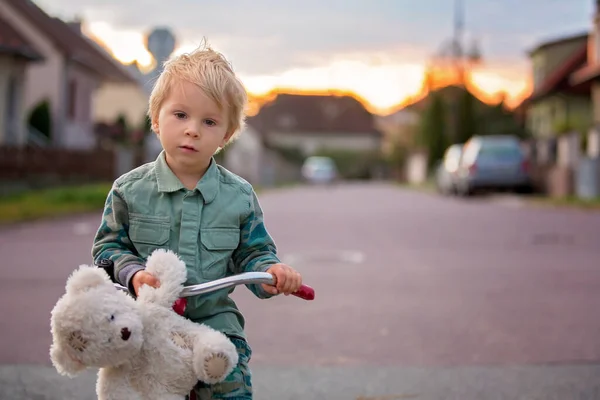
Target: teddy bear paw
{"type": "Point", "coordinates": [214, 367]}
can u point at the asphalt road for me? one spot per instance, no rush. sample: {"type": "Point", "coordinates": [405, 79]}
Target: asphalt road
{"type": "Point", "coordinates": [417, 297]}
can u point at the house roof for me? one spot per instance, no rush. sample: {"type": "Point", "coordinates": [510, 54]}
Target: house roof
{"type": "Point", "coordinates": [560, 78]}
{"type": "Point", "coordinates": [73, 44]}
{"type": "Point", "coordinates": [583, 36]}
{"type": "Point", "coordinates": [12, 43]}
{"type": "Point", "coordinates": [314, 114]}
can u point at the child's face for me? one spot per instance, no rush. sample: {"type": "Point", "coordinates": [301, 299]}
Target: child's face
{"type": "Point", "coordinates": [191, 127]}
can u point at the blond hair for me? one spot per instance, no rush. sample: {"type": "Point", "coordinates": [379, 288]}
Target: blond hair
{"type": "Point", "coordinates": [213, 74]}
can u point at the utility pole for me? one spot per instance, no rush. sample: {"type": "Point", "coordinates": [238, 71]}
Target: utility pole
{"type": "Point", "coordinates": [456, 61]}
{"type": "Point", "coordinates": [457, 39]}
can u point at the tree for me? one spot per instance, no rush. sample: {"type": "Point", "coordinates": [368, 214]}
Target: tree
{"type": "Point", "coordinates": [432, 129]}
{"type": "Point", "coordinates": [467, 118]}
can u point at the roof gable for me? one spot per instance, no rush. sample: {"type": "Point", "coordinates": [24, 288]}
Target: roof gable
{"type": "Point", "coordinates": [12, 42]}
{"type": "Point", "coordinates": [71, 43]}
{"type": "Point", "coordinates": [560, 78]}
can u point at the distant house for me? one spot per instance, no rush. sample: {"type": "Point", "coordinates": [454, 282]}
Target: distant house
{"type": "Point", "coordinates": [589, 73]}
{"type": "Point", "coordinates": [16, 53]}
{"type": "Point", "coordinates": [398, 128]}
{"type": "Point", "coordinates": [314, 122]}
{"type": "Point", "coordinates": [72, 69]}
{"type": "Point", "coordinates": [557, 103]}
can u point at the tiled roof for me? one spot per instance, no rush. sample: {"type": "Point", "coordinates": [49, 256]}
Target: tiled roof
{"type": "Point", "coordinates": [11, 42]}
{"type": "Point", "coordinates": [314, 114]}
{"type": "Point", "coordinates": [578, 37]}
{"type": "Point", "coordinates": [74, 45]}
{"type": "Point", "coordinates": [559, 79]}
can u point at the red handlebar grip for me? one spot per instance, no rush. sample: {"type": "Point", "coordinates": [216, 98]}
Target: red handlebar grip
{"type": "Point", "coordinates": [305, 292]}
{"type": "Point", "coordinates": [180, 305]}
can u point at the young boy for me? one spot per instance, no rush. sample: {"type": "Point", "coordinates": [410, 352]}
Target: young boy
{"type": "Point", "coordinates": [187, 203]}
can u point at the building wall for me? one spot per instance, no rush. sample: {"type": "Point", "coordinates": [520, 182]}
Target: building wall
{"type": "Point", "coordinates": [12, 128]}
{"type": "Point", "coordinates": [245, 155]}
{"type": "Point", "coordinates": [78, 127]}
{"type": "Point", "coordinates": [113, 99]}
{"type": "Point", "coordinates": [311, 142]}
{"type": "Point", "coordinates": [43, 80]}
{"type": "Point", "coordinates": [544, 117]}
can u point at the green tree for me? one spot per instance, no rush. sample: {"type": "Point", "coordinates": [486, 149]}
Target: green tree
{"type": "Point", "coordinates": [432, 129]}
{"type": "Point", "coordinates": [467, 117]}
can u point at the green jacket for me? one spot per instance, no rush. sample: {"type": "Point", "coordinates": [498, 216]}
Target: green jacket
{"type": "Point", "coordinates": [217, 229]}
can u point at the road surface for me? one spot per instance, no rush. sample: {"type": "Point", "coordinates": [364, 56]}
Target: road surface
{"type": "Point", "coordinates": [418, 297]}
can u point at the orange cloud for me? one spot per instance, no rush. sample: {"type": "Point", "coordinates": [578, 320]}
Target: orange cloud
{"type": "Point", "coordinates": [382, 87]}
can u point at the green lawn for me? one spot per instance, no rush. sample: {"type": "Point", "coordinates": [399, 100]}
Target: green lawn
{"type": "Point", "coordinates": [569, 202]}
{"type": "Point", "coordinates": [36, 204]}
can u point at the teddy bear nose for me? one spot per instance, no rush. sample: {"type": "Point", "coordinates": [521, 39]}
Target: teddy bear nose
{"type": "Point", "coordinates": [125, 333]}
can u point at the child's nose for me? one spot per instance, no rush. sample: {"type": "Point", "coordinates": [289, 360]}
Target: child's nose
{"type": "Point", "coordinates": [191, 133]}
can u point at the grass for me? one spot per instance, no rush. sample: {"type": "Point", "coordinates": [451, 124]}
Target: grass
{"type": "Point", "coordinates": [428, 186]}
{"type": "Point", "coordinates": [567, 202]}
{"type": "Point", "coordinates": [36, 204]}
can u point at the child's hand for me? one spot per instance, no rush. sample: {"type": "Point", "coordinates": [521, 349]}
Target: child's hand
{"type": "Point", "coordinates": [143, 278]}
{"type": "Point", "coordinates": [287, 280]}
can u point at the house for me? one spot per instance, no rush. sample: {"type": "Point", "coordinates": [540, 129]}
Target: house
{"type": "Point", "coordinates": [72, 70]}
{"type": "Point", "coordinates": [556, 103]}
{"type": "Point", "coordinates": [289, 128]}
{"type": "Point", "coordinates": [16, 53]}
{"type": "Point", "coordinates": [398, 128]}
{"type": "Point", "coordinates": [311, 123]}
{"type": "Point", "coordinates": [589, 73]}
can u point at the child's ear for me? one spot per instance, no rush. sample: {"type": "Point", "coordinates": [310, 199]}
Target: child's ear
{"type": "Point", "coordinates": [155, 127]}
{"type": "Point", "coordinates": [226, 139]}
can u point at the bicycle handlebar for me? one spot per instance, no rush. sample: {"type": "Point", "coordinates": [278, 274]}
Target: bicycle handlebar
{"type": "Point", "coordinates": [305, 292]}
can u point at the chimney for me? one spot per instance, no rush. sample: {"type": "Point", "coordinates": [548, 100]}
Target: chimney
{"type": "Point", "coordinates": [76, 25]}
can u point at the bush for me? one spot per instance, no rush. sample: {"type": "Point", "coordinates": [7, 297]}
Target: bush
{"type": "Point", "coordinates": [40, 118]}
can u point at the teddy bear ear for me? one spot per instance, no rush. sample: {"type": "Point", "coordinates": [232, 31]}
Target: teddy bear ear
{"type": "Point", "coordinates": [64, 364]}
{"type": "Point", "coordinates": [86, 277]}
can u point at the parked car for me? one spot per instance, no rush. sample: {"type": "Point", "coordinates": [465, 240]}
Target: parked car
{"type": "Point", "coordinates": [319, 170]}
{"type": "Point", "coordinates": [446, 172]}
{"type": "Point", "coordinates": [493, 163]}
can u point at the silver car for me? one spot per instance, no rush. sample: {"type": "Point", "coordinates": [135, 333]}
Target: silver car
{"type": "Point", "coordinates": [319, 170]}
{"type": "Point", "coordinates": [493, 163]}
{"type": "Point", "coordinates": [446, 172]}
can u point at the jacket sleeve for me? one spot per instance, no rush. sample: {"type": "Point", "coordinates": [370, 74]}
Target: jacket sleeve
{"type": "Point", "coordinates": [257, 251]}
{"type": "Point", "coordinates": [112, 239]}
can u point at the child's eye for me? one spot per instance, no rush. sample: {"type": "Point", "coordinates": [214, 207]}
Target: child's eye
{"type": "Point", "coordinates": [210, 122]}
{"type": "Point", "coordinates": [180, 115]}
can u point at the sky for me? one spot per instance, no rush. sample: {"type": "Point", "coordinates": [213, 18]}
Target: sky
{"type": "Point", "coordinates": [377, 49]}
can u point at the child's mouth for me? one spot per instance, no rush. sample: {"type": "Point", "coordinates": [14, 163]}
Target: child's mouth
{"type": "Point", "coordinates": [188, 148]}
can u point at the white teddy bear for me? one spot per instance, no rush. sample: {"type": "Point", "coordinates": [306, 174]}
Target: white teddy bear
{"type": "Point", "coordinates": [143, 348]}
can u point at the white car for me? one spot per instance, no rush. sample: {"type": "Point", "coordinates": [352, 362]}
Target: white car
{"type": "Point", "coordinates": [319, 170]}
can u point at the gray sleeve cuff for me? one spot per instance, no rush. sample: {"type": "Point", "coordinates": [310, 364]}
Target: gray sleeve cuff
{"type": "Point", "coordinates": [259, 290]}
{"type": "Point", "coordinates": [127, 272]}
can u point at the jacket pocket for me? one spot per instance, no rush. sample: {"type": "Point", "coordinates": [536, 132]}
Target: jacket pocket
{"type": "Point", "coordinates": [218, 245]}
{"type": "Point", "coordinates": [149, 232]}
